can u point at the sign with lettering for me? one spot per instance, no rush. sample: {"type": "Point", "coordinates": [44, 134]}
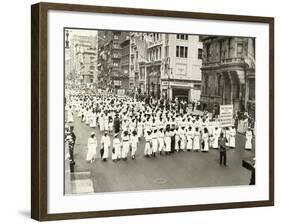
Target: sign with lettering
{"type": "Point", "coordinates": [226, 115]}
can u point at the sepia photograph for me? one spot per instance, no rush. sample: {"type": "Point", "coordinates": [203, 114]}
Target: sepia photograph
{"type": "Point", "coordinates": [150, 111]}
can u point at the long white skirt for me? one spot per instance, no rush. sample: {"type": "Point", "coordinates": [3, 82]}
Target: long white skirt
{"type": "Point", "coordinates": [154, 145]}
{"type": "Point", "coordinates": [167, 144]}
{"type": "Point", "coordinates": [161, 144]}
{"type": "Point", "coordinates": [125, 149]}
{"type": "Point", "coordinates": [147, 149]}
{"type": "Point", "coordinates": [117, 153]}
{"type": "Point", "coordinates": [91, 154]}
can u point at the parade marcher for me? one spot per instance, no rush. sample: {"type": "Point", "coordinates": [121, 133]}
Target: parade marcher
{"type": "Point", "coordinates": [216, 135]}
{"type": "Point", "coordinates": [249, 136]}
{"type": "Point", "coordinates": [125, 145]}
{"type": "Point", "coordinates": [92, 148]}
{"type": "Point", "coordinates": [147, 147]}
{"type": "Point", "coordinates": [173, 140]}
{"type": "Point", "coordinates": [177, 140]}
{"type": "Point", "coordinates": [232, 137]}
{"type": "Point", "coordinates": [116, 148]}
{"type": "Point", "coordinates": [161, 140]}
{"type": "Point", "coordinates": [105, 142]}
{"type": "Point", "coordinates": [110, 125]}
{"type": "Point", "coordinates": [190, 136]}
{"type": "Point", "coordinates": [222, 147]}
{"type": "Point", "coordinates": [134, 144]}
{"type": "Point", "coordinates": [154, 142]}
{"type": "Point", "coordinates": [205, 140]}
{"type": "Point", "coordinates": [196, 140]}
{"type": "Point", "coordinates": [167, 141]}
{"type": "Point", "coordinates": [116, 124]}
{"type": "Point", "coordinates": [182, 135]}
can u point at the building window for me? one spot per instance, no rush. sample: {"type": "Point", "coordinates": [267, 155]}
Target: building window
{"type": "Point", "coordinates": [181, 52]}
{"type": "Point", "coordinates": [178, 51]}
{"type": "Point", "coordinates": [182, 36]}
{"type": "Point", "coordinates": [200, 53]}
{"type": "Point", "coordinates": [115, 37]}
{"type": "Point", "coordinates": [239, 50]}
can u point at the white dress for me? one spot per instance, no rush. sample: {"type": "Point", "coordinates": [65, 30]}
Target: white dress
{"type": "Point", "coordinates": [182, 139]}
{"type": "Point", "coordinates": [125, 146]}
{"type": "Point", "coordinates": [105, 142]}
{"type": "Point", "coordinates": [92, 149]}
{"type": "Point", "coordinates": [190, 135]}
{"type": "Point", "coordinates": [232, 138]}
{"type": "Point", "coordinates": [161, 141]}
{"type": "Point", "coordinates": [249, 136]}
{"type": "Point", "coordinates": [134, 143]}
{"type": "Point", "coordinates": [216, 135]}
{"type": "Point", "coordinates": [167, 140]}
{"type": "Point", "coordinates": [117, 148]}
{"type": "Point", "coordinates": [147, 147]}
{"type": "Point", "coordinates": [205, 138]}
{"type": "Point", "coordinates": [196, 140]}
{"type": "Point", "coordinates": [154, 142]}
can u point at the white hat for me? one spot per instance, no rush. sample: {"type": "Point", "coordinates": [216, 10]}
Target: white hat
{"type": "Point", "coordinates": [93, 133]}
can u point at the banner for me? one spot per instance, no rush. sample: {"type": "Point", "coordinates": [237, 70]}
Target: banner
{"type": "Point", "coordinates": [226, 115]}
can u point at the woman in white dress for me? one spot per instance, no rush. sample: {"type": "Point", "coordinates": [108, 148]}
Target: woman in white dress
{"type": "Point", "coordinates": [134, 143]}
{"type": "Point", "coordinates": [216, 135]}
{"type": "Point", "coordinates": [196, 140]}
{"type": "Point", "coordinates": [177, 139]}
{"type": "Point", "coordinates": [182, 139]}
{"type": "Point", "coordinates": [249, 136]}
{"type": "Point", "coordinates": [161, 140]}
{"type": "Point", "coordinates": [205, 140]}
{"type": "Point", "coordinates": [154, 142]}
{"type": "Point", "coordinates": [92, 148]}
{"type": "Point", "coordinates": [125, 145]}
{"type": "Point", "coordinates": [140, 128]}
{"type": "Point", "coordinates": [147, 147]}
{"type": "Point", "coordinates": [105, 144]}
{"type": "Point", "coordinates": [189, 136]}
{"type": "Point", "coordinates": [116, 148]}
{"type": "Point", "coordinates": [167, 141]}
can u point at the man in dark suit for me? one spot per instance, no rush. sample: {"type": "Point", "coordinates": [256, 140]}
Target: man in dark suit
{"type": "Point", "coordinates": [222, 146]}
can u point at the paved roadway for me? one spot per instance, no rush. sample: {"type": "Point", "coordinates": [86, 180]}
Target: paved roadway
{"type": "Point", "coordinates": [178, 170]}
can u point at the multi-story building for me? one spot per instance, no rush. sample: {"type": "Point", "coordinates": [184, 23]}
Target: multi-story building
{"type": "Point", "coordinates": [173, 66]}
{"type": "Point", "coordinates": [83, 59]}
{"type": "Point", "coordinates": [228, 73]}
{"type": "Point", "coordinates": [111, 73]}
{"type": "Point", "coordinates": [137, 62]}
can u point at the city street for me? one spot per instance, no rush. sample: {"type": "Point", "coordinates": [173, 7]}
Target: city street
{"type": "Point", "coordinates": [178, 170]}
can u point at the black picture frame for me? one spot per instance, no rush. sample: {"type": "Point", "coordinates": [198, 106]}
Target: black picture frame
{"type": "Point", "coordinates": [39, 106]}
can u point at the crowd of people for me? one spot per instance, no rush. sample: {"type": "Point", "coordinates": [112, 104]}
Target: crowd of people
{"type": "Point", "coordinates": [164, 127]}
